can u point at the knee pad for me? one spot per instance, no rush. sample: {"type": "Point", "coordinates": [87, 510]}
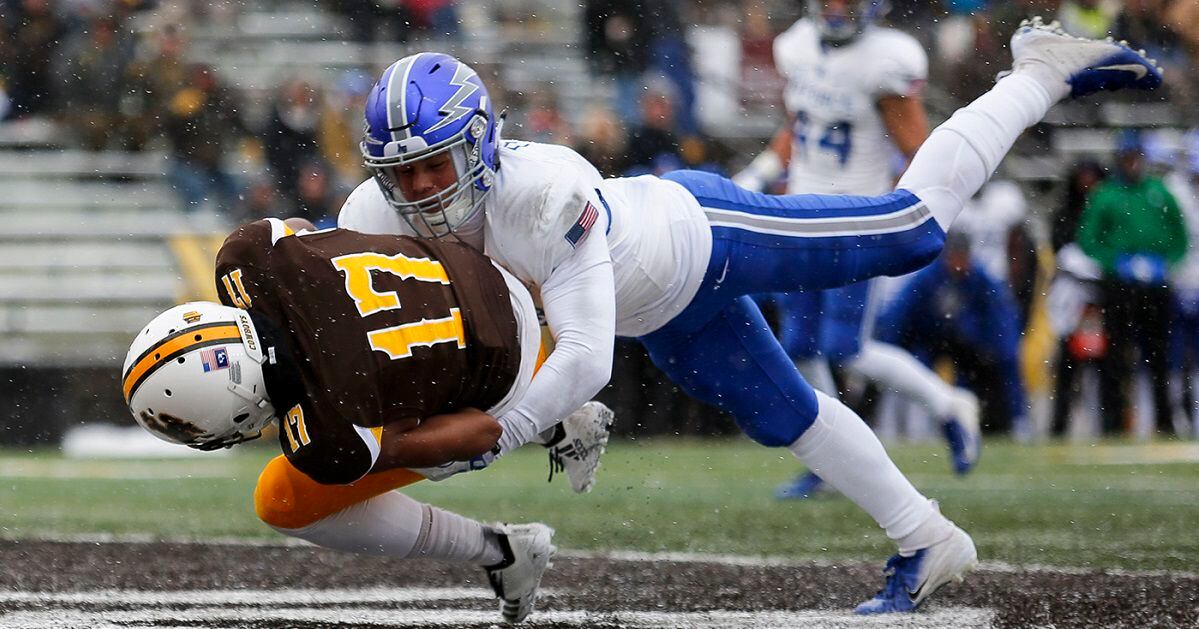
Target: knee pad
{"type": "Point", "coordinates": [279, 495]}
{"type": "Point", "coordinates": [286, 498]}
{"type": "Point", "coordinates": [780, 424]}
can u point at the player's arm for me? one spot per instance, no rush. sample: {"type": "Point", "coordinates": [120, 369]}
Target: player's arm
{"type": "Point", "coordinates": [436, 440]}
{"type": "Point", "coordinates": [770, 164]}
{"type": "Point", "coordinates": [900, 79]}
{"type": "Point", "coordinates": [298, 224]}
{"type": "Point", "coordinates": [579, 303]}
{"type": "Point", "coordinates": [906, 122]}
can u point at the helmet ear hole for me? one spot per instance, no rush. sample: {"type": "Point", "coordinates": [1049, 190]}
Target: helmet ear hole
{"type": "Point", "coordinates": [241, 418]}
{"type": "Point", "coordinates": [167, 392]}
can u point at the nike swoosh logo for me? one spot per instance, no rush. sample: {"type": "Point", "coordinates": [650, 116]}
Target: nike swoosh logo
{"type": "Point", "coordinates": [1136, 69]}
{"type": "Point", "coordinates": [915, 595]}
{"type": "Point", "coordinates": [723, 273]}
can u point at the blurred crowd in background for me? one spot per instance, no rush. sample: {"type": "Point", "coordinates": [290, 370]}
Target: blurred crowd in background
{"type": "Point", "coordinates": [1060, 287]}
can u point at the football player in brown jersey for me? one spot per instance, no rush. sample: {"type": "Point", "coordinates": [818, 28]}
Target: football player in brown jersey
{"type": "Point", "coordinates": [378, 356]}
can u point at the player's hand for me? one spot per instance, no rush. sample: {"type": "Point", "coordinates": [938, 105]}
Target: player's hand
{"type": "Point", "coordinates": [749, 180]}
{"type": "Point", "coordinates": [453, 468]}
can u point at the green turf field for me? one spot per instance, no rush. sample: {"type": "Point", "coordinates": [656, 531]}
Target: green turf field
{"type": "Point", "coordinates": [1110, 505]}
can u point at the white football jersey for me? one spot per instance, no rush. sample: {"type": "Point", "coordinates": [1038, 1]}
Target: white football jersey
{"type": "Point", "coordinates": [658, 238]}
{"type": "Point", "coordinates": [840, 143]}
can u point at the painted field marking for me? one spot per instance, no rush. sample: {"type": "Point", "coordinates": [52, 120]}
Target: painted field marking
{"type": "Point", "coordinates": [336, 606]}
{"type": "Point", "coordinates": [612, 555]}
{"type": "Point", "coordinates": [1136, 454]}
{"type": "Point", "coordinates": [247, 597]}
{"type": "Point", "coordinates": [97, 469]}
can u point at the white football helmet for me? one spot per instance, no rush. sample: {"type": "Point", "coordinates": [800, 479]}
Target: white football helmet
{"type": "Point", "coordinates": [194, 376]}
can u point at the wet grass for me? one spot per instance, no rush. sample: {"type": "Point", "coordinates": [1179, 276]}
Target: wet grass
{"type": "Point", "coordinates": [1113, 505]}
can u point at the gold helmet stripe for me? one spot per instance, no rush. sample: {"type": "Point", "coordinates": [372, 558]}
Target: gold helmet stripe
{"type": "Point", "coordinates": [174, 346]}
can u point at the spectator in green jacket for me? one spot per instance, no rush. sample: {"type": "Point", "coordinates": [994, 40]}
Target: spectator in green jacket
{"type": "Point", "coordinates": [1133, 227]}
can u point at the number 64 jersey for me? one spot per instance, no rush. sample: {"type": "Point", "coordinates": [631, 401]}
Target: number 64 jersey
{"type": "Point", "coordinates": [840, 143]}
{"type": "Point", "coordinates": [382, 328]}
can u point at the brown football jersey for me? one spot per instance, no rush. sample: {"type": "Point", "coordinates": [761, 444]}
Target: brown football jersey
{"type": "Point", "coordinates": [383, 328]}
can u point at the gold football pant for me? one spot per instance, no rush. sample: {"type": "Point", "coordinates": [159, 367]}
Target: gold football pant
{"type": "Point", "coordinates": [286, 498]}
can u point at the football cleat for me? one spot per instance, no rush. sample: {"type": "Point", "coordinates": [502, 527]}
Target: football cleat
{"type": "Point", "coordinates": [528, 549]}
{"type": "Point", "coordinates": [802, 487]}
{"type": "Point", "coordinates": [578, 443]}
{"type": "Point", "coordinates": [1086, 65]}
{"type": "Point", "coordinates": [911, 580]}
{"type": "Point", "coordinates": [962, 433]}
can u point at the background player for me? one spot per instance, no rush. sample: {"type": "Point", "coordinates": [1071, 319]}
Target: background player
{"type": "Point", "coordinates": [376, 354]}
{"type": "Point", "coordinates": [671, 261]}
{"type": "Point", "coordinates": [853, 98]}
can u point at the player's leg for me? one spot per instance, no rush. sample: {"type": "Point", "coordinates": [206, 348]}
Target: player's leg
{"type": "Point", "coordinates": [735, 363]}
{"type": "Point", "coordinates": [804, 242]}
{"type": "Point", "coordinates": [845, 340]}
{"type": "Point", "coordinates": [803, 326]}
{"type": "Point", "coordinates": [368, 517]}
{"type": "Point", "coordinates": [800, 320]}
{"type": "Point", "coordinates": [1048, 66]}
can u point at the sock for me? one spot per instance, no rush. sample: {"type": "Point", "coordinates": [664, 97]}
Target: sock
{"type": "Point", "coordinates": [452, 537]}
{"type": "Point", "coordinates": [842, 451]}
{"type": "Point", "coordinates": [899, 371]}
{"type": "Point", "coordinates": [933, 529]}
{"type": "Point", "coordinates": [961, 154]}
{"type": "Point", "coordinates": [816, 371]}
{"type": "Point", "coordinates": [394, 525]}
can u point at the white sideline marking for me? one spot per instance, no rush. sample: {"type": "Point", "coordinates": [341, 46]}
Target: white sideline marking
{"type": "Point", "coordinates": [47, 619]}
{"type": "Point", "coordinates": [613, 555]}
{"type": "Point", "coordinates": [249, 597]}
{"type": "Point", "coordinates": [96, 469]}
{"type": "Point", "coordinates": [749, 560]}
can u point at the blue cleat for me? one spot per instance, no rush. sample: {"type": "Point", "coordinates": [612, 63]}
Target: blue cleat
{"type": "Point", "coordinates": [1086, 65]}
{"type": "Point", "coordinates": [962, 432]}
{"type": "Point", "coordinates": [911, 580]}
{"type": "Point", "coordinates": [802, 487]}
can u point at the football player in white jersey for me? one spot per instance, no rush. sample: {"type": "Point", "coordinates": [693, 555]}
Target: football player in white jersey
{"type": "Point", "coordinates": [853, 97]}
{"type": "Point", "coordinates": [672, 261]}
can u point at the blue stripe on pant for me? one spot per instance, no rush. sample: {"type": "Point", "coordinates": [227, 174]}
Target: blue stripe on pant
{"type": "Point", "coordinates": [719, 349]}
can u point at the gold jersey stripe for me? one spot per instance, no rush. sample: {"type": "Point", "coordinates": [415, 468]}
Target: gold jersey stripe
{"type": "Point", "coordinates": [174, 346]}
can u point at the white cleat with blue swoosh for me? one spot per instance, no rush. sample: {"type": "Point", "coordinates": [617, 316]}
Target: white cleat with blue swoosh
{"type": "Point", "coordinates": [1084, 65]}
{"type": "Point", "coordinates": [911, 580]}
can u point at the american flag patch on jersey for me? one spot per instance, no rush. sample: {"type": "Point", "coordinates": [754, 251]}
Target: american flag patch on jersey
{"type": "Point", "coordinates": [582, 227]}
{"type": "Point", "coordinates": [214, 358]}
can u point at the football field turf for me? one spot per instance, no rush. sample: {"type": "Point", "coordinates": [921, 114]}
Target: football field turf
{"type": "Point", "coordinates": [1111, 505]}
{"type": "Point", "coordinates": [679, 533]}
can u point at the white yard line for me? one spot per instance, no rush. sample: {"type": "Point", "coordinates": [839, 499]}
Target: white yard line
{"type": "Point", "coordinates": [614, 555]}
{"type": "Point", "coordinates": [248, 597]}
{"type": "Point", "coordinates": [172, 617]}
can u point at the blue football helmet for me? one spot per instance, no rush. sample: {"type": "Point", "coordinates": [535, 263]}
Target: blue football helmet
{"type": "Point", "coordinates": [841, 26]}
{"type": "Point", "coordinates": [424, 105]}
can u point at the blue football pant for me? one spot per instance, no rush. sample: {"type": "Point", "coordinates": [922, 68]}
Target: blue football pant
{"type": "Point", "coordinates": [720, 349]}
{"type": "Point", "coordinates": [828, 323]}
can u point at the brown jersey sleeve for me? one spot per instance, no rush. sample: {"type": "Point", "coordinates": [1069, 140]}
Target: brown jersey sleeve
{"type": "Point", "coordinates": [243, 270]}
{"type": "Point", "coordinates": [325, 447]}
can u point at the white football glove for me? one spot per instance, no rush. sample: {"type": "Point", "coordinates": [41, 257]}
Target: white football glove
{"type": "Point", "coordinates": [760, 173]}
{"type": "Point", "coordinates": [453, 468]}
